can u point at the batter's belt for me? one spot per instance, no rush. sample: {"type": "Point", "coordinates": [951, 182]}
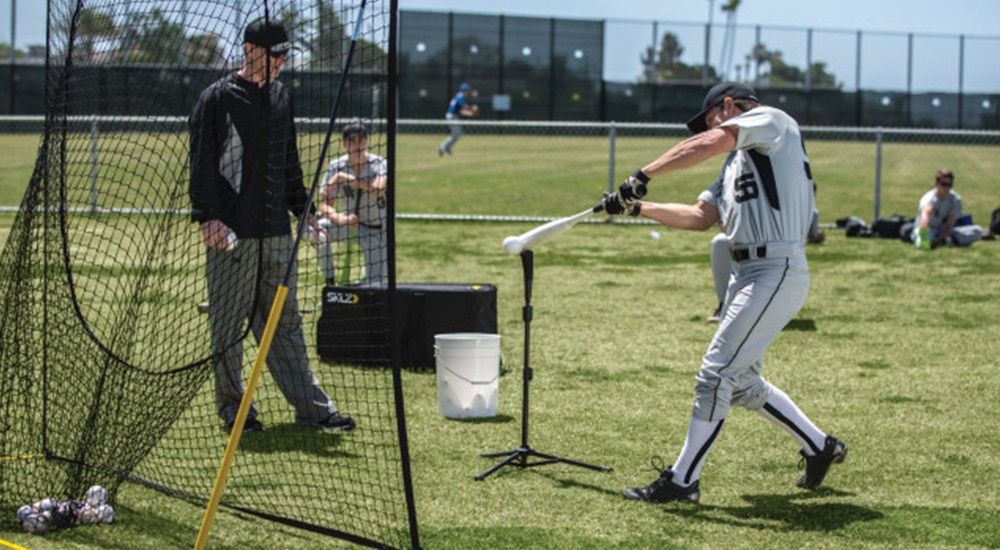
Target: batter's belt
{"type": "Point", "coordinates": [743, 252]}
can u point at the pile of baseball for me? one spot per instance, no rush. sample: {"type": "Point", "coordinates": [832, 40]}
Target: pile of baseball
{"type": "Point", "coordinates": [49, 514]}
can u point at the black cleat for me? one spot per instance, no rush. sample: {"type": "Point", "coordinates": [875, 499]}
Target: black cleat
{"type": "Point", "coordinates": [251, 425]}
{"type": "Point", "coordinates": [663, 489]}
{"type": "Point", "coordinates": [336, 422]}
{"type": "Point", "coordinates": [816, 467]}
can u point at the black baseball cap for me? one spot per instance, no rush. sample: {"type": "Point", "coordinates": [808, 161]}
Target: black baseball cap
{"type": "Point", "coordinates": [354, 128]}
{"type": "Point", "coordinates": [269, 33]}
{"type": "Point", "coordinates": [715, 96]}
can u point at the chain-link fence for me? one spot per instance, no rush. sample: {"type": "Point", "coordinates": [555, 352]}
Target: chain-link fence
{"type": "Point", "coordinates": [529, 170]}
{"type": "Point", "coordinates": [534, 68]}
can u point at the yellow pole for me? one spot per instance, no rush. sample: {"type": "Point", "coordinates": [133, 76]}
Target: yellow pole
{"type": "Point", "coordinates": [22, 457]}
{"type": "Point", "coordinates": [241, 416]}
{"type": "Point", "coordinates": [11, 545]}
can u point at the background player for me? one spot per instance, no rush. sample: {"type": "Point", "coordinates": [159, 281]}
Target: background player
{"type": "Point", "coordinates": [459, 106]}
{"type": "Point", "coordinates": [357, 183]}
{"type": "Point", "coordinates": [764, 200]}
{"type": "Point", "coordinates": [937, 214]}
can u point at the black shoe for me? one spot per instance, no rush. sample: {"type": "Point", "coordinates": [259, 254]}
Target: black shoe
{"type": "Point", "coordinates": [336, 422]}
{"type": "Point", "coordinates": [663, 489]}
{"type": "Point", "coordinates": [816, 467]}
{"type": "Point", "coordinates": [251, 425]}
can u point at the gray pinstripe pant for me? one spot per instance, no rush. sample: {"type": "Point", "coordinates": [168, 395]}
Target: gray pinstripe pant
{"type": "Point", "coordinates": [234, 299]}
{"type": "Point", "coordinates": [763, 296]}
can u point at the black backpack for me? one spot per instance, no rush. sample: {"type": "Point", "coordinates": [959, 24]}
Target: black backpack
{"type": "Point", "coordinates": [995, 222]}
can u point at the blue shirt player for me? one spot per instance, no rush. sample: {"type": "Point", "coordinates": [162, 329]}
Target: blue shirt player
{"type": "Point", "coordinates": [458, 107]}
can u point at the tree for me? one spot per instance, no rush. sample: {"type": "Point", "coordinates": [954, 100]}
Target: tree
{"type": "Point", "coordinates": [204, 50]}
{"type": "Point", "coordinates": [666, 65]}
{"type": "Point", "coordinates": [154, 38]}
{"type": "Point", "coordinates": [5, 52]}
{"type": "Point", "coordinates": [91, 26]}
{"type": "Point", "coordinates": [328, 42]}
{"type": "Point", "coordinates": [822, 79]}
{"type": "Point", "coordinates": [781, 74]}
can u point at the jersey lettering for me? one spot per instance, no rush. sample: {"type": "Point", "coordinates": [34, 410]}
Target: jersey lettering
{"type": "Point", "coordinates": [746, 188]}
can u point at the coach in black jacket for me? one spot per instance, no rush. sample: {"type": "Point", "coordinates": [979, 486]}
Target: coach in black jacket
{"type": "Point", "coordinates": [245, 179]}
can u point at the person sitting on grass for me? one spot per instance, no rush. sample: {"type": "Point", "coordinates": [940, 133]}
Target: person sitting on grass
{"type": "Point", "coordinates": [937, 215]}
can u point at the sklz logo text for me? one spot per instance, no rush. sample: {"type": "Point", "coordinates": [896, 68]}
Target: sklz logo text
{"type": "Point", "coordinates": [746, 188]}
{"type": "Point", "coordinates": [342, 298]}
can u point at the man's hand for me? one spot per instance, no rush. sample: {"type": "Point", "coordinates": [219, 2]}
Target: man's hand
{"type": "Point", "coordinates": [318, 234]}
{"type": "Point", "coordinates": [343, 177]}
{"type": "Point", "coordinates": [634, 188]}
{"type": "Point", "coordinates": [350, 220]}
{"type": "Point", "coordinates": [215, 234]}
{"type": "Point", "coordinates": [614, 205]}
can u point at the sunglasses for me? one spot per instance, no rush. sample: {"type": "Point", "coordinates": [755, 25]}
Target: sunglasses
{"type": "Point", "coordinates": [945, 183]}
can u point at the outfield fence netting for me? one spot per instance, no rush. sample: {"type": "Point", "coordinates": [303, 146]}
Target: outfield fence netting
{"type": "Point", "coordinates": [110, 343]}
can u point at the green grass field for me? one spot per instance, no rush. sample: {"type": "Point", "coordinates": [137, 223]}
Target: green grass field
{"type": "Point", "coordinates": [895, 352]}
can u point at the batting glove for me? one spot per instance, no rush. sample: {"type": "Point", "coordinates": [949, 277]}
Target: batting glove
{"type": "Point", "coordinates": [634, 188]}
{"type": "Point", "coordinates": [614, 205]}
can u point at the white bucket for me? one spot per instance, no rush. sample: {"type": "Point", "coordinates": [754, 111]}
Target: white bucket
{"type": "Point", "coordinates": [468, 372]}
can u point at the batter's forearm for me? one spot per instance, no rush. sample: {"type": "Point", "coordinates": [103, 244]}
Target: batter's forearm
{"type": "Point", "coordinates": [679, 216]}
{"type": "Point", "coordinates": [692, 151]}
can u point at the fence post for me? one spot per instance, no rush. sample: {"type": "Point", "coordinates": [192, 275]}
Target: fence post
{"type": "Point", "coordinates": [611, 157]}
{"type": "Point", "coordinates": [93, 167]}
{"type": "Point", "coordinates": [878, 172]}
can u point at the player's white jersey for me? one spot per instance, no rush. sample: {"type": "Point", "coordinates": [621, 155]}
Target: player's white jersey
{"type": "Point", "coordinates": [765, 191]}
{"type": "Point", "coordinates": [370, 209]}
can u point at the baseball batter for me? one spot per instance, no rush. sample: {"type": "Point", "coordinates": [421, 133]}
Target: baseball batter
{"type": "Point", "coordinates": [763, 200]}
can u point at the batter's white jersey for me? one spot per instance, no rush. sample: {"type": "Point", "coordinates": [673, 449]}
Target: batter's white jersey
{"type": "Point", "coordinates": [765, 191]}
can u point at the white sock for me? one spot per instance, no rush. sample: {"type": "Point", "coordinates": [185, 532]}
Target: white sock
{"type": "Point", "coordinates": [781, 410]}
{"type": "Point", "coordinates": [700, 437]}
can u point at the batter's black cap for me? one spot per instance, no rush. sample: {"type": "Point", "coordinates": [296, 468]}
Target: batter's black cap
{"type": "Point", "coordinates": [354, 128]}
{"type": "Point", "coordinates": [715, 96]}
{"type": "Point", "coordinates": [269, 33]}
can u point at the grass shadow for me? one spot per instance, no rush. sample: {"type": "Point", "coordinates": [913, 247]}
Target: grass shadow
{"type": "Point", "coordinates": [787, 513]}
{"type": "Point", "coordinates": [288, 437]}
{"type": "Point", "coordinates": [497, 419]}
{"type": "Point", "coordinates": [804, 325]}
{"type": "Point", "coordinates": [560, 481]}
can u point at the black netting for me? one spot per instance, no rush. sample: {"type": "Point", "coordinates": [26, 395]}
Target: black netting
{"type": "Point", "coordinates": [122, 293]}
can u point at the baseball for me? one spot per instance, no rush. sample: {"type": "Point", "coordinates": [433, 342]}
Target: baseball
{"type": "Point", "coordinates": [512, 245]}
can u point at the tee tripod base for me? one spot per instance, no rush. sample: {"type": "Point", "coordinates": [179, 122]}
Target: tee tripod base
{"type": "Point", "coordinates": [521, 456]}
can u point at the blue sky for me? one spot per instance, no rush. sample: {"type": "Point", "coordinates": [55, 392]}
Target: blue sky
{"type": "Point", "coordinates": [970, 17]}
{"type": "Point", "coordinates": [936, 22]}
